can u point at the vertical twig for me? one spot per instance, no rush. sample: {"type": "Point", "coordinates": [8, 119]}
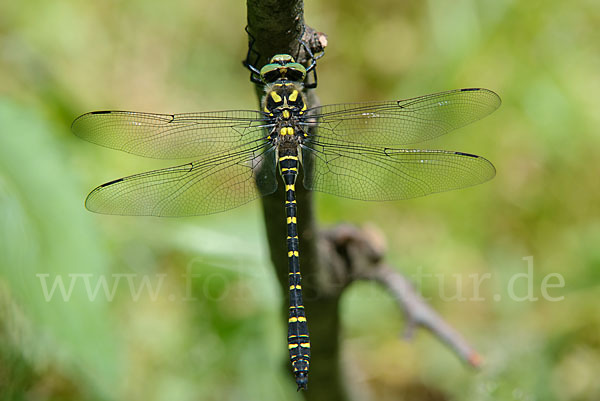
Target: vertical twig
{"type": "Point", "coordinates": [277, 27]}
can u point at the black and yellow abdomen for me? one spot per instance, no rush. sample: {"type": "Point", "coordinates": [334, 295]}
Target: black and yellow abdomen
{"type": "Point", "coordinates": [298, 340]}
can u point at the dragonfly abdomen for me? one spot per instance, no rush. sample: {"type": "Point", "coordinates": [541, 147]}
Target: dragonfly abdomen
{"type": "Point", "coordinates": [298, 339]}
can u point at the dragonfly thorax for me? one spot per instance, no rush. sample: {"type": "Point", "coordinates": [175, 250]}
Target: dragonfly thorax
{"type": "Point", "coordinates": [285, 104]}
{"type": "Point", "coordinates": [284, 95]}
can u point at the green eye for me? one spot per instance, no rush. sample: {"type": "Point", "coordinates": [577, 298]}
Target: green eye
{"type": "Point", "coordinates": [282, 66]}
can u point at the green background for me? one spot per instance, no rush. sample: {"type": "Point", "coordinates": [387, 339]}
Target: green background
{"type": "Point", "coordinates": [218, 335]}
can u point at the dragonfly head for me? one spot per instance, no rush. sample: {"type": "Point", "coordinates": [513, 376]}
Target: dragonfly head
{"type": "Point", "coordinates": [282, 66]}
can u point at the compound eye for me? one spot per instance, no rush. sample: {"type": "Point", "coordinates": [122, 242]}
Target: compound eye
{"type": "Point", "coordinates": [295, 75]}
{"type": "Point", "coordinates": [270, 73]}
{"type": "Point", "coordinates": [271, 76]}
{"type": "Point", "coordinates": [296, 72]}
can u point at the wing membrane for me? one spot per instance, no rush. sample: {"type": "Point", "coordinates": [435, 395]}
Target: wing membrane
{"type": "Point", "coordinates": [385, 174]}
{"type": "Point", "coordinates": [403, 122]}
{"type": "Point", "coordinates": [203, 187]}
{"type": "Point", "coordinates": [171, 136]}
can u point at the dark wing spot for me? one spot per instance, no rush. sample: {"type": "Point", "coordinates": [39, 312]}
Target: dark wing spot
{"type": "Point", "coordinates": [466, 154]}
{"type": "Point", "coordinates": [110, 183]}
{"type": "Point", "coordinates": [101, 112]}
{"type": "Point", "coordinates": [470, 89]}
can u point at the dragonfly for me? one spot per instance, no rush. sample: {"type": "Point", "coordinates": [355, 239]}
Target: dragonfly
{"type": "Point", "coordinates": [361, 151]}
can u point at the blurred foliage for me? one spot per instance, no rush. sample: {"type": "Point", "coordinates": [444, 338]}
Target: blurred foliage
{"type": "Point", "coordinates": [212, 330]}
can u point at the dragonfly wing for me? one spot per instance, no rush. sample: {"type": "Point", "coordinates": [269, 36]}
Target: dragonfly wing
{"type": "Point", "coordinates": [172, 136]}
{"type": "Point", "coordinates": [203, 187]}
{"type": "Point", "coordinates": [403, 122]}
{"type": "Point", "coordinates": [385, 174]}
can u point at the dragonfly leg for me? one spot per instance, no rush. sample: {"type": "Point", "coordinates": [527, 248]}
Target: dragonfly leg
{"type": "Point", "coordinates": [251, 65]}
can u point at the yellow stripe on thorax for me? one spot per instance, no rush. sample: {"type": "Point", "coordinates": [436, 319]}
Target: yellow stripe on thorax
{"type": "Point", "coordinates": [275, 97]}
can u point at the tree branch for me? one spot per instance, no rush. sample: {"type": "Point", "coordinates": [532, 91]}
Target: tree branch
{"type": "Point", "coordinates": [362, 252]}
